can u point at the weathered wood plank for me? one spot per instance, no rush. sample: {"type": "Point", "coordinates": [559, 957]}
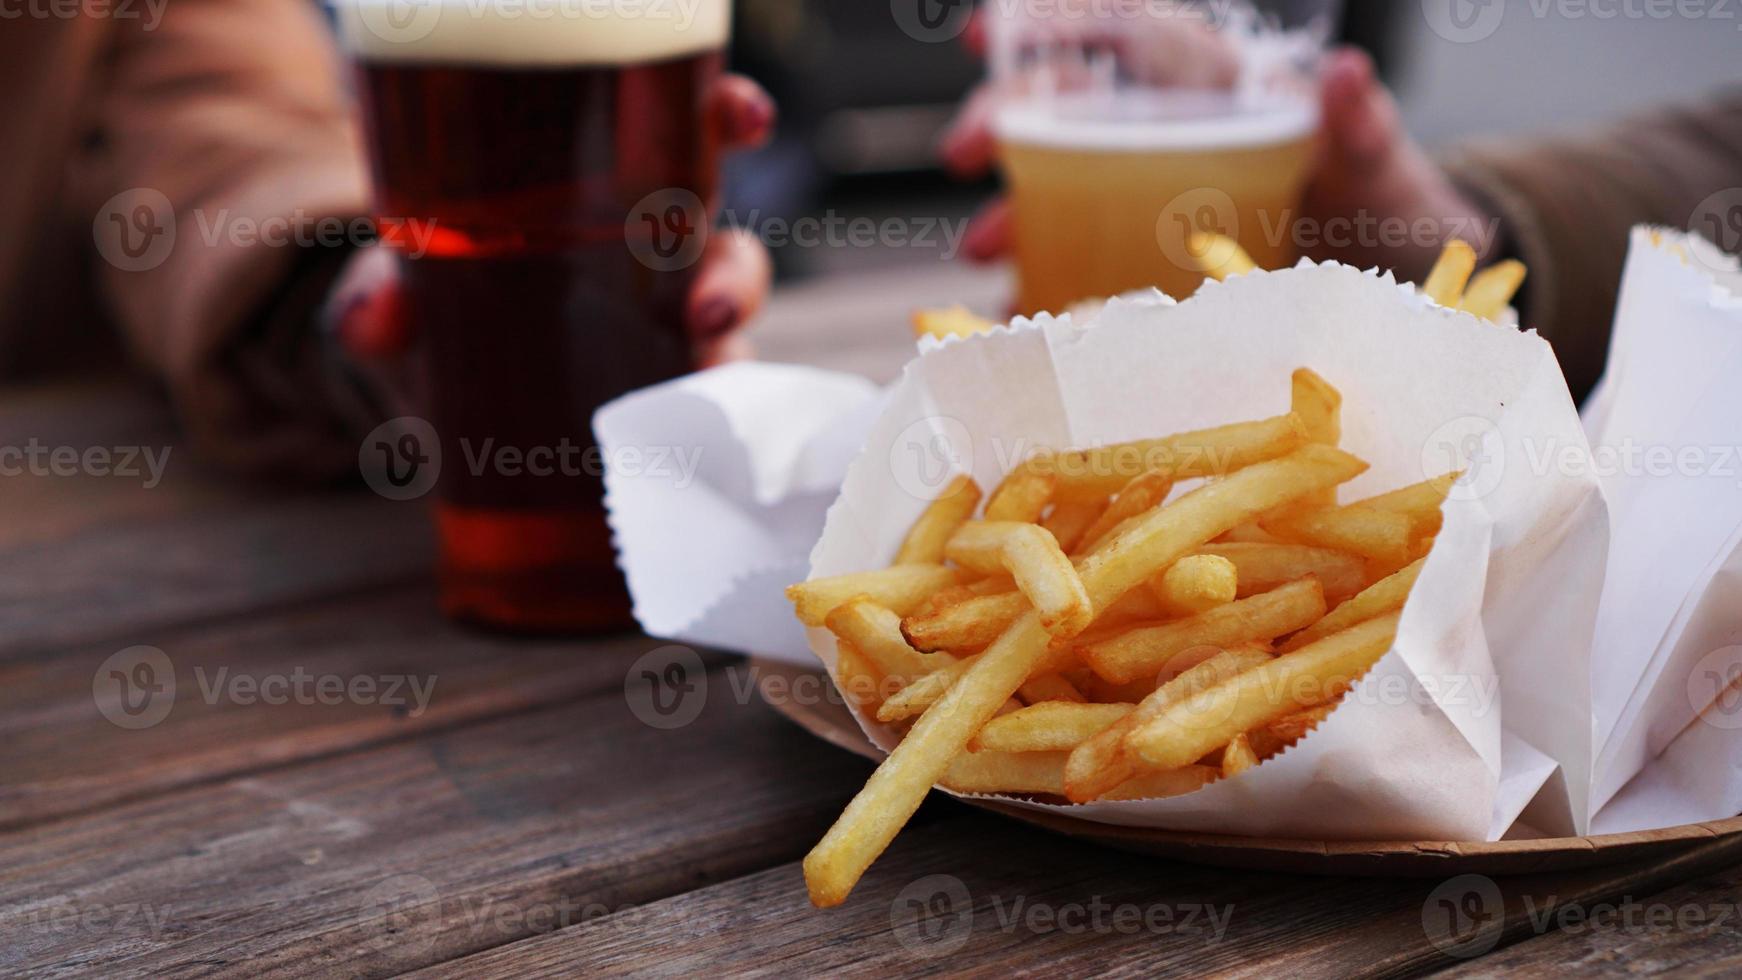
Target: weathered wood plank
{"type": "Point", "coordinates": [1692, 930]}
{"type": "Point", "coordinates": [981, 897]}
{"type": "Point", "coordinates": [345, 674]}
{"type": "Point", "coordinates": [418, 852]}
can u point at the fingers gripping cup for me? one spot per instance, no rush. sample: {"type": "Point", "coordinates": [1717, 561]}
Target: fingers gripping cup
{"type": "Point", "coordinates": [1125, 128]}
{"type": "Point", "coordinates": [542, 171]}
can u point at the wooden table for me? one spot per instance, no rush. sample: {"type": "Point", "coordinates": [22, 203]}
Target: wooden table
{"type": "Point", "coordinates": [526, 820]}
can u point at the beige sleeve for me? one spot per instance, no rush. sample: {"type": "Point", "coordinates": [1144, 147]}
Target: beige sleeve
{"type": "Point", "coordinates": [235, 111]}
{"type": "Point", "coordinates": [1567, 206]}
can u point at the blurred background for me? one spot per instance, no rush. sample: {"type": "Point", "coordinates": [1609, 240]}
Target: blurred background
{"type": "Point", "coordinates": [862, 104]}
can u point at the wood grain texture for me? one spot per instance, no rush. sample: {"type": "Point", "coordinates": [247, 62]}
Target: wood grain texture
{"type": "Point", "coordinates": [1031, 901]}
{"type": "Point", "coordinates": [417, 852]}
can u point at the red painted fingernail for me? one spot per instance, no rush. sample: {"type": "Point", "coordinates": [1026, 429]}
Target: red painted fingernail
{"type": "Point", "coordinates": [714, 318]}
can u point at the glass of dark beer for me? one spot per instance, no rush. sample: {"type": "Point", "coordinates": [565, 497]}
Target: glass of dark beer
{"type": "Point", "coordinates": [551, 162]}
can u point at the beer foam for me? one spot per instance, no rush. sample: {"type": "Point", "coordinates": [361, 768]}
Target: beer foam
{"type": "Point", "coordinates": [532, 33]}
{"type": "Point", "coordinates": [1179, 126]}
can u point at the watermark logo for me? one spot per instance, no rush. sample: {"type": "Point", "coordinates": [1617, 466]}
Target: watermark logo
{"type": "Point", "coordinates": [1464, 21]}
{"type": "Point", "coordinates": [667, 230]}
{"type": "Point", "coordinates": [135, 687]}
{"type": "Point", "coordinates": [1471, 444]}
{"type": "Point", "coordinates": [135, 229]}
{"type": "Point", "coordinates": [400, 21]}
{"type": "Point", "coordinates": [1719, 219]}
{"type": "Point", "coordinates": [932, 21]}
{"type": "Point", "coordinates": [1464, 916]}
{"type": "Point", "coordinates": [666, 687]}
{"type": "Point", "coordinates": [1201, 210]}
{"type": "Point", "coordinates": [401, 459]}
{"type": "Point", "coordinates": [403, 912]}
{"type": "Point", "coordinates": [926, 455]}
{"type": "Point", "coordinates": [1715, 688]}
{"type": "Point", "coordinates": [933, 917]}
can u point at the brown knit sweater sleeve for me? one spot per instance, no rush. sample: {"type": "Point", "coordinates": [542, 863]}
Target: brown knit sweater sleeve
{"type": "Point", "coordinates": [1567, 206]}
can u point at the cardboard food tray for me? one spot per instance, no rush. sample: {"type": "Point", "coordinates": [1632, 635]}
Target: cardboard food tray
{"type": "Point", "coordinates": [829, 720]}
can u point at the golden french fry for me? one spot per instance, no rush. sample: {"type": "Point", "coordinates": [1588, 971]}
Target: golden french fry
{"type": "Point", "coordinates": [921, 694]}
{"type": "Point", "coordinates": [925, 541]}
{"type": "Point", "coordinates": [1218, 256]}
{"type": "Point", "coordinates": [1420, 503]}
{"type": "Point", "coordinates": [1159, 539]}
{"type": "Point", "coordinates": [1022, 496]}
{"type": "Point", "coordinates": [1049, 580]}
{"type": "Point", "coordinates": [1376, 534]}
{"type": "Point", "coordinates": [876, 632]}
{"type": "Point", "coordinates": [1070, 523]}
{"type": "Point", "coordinates": [956, 321]}
{"type": "Point", "coordinates": [1492, 290]}
{"type": "Point", "coordinates": [1100, 691]}
{"type": "Point", "coordinates": [1195, 584]}
{"type": "Point", "coordinates": [1387, 595]}
{"type": "Point", "coordinates": [1093, 475]}
{"type": "Point", "coordinates": [1187, 730]}
{"type": "Point", "coordinates": [979, 545]}
{"type": "Point", "coordinates": [1263, 567]}
{"type": "Point", "coordinates": [1050, 688]}
{"type": "Point", "coordinates": [1051, 726]}
{"type": "Point", "coordinates": [1250, 533]}
{"type": "Point", "coordinates": [1161, 785]}
{"type": "Point", "coordinates": [1148, 650]}
{"type": "Point", "coordinates": [1319, 406]}
{"type": "Point", "coordinates": [967, 625]}
{"type": "Point", "coordinates": [1292, 728]}
{"type": "Point", "coordinates": [1006, 772]}
{"type": "Point", "coordinates": [1142, 494]}
{"type": "Point", "coordinates": [902, 588]}
{"type": "Point", "coordinates": [1238, 756]}
{"type": "Point", "coordinates": [1445, 284]}
{"type": "Point", "coordinates": [857, 680]}
{"type": "Point", "coordinates": [1099, 764]}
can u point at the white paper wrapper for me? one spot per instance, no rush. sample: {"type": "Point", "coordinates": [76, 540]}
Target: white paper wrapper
{"type": "Point", "coordinates": [1667, 424]}
{"type": "Point", "coordinates": [1423, 749]}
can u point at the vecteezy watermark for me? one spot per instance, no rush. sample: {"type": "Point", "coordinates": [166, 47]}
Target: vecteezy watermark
{"type": "Point", "coordinates": [939, 21]}
{"type": "Point", "coordinates": [1718, 218]}
{"type": "Point", "coordinates": [932, 21]}
{"type": "Point", "coordinates": [137, 688]}
{"type": "Point", "coordinates": [667, 687]}
{"type": "Point", "coordinates": [1469, 21]}
{"type": "Point", "coordinates": [1464, 916]}
{"type": "Point", "coordinates": [403, 914]}
{"type": "Point", "coordinates": [137, 230]}
{"type": "Point", "coordinates": [668, 230]}
{"type": "Point", "coordinates": [935, 917]}
{"type": "Point", "coordinates": [148, 12]}
{"type": "Point", "coordinates": [66, 916]}
{"type": "Point", "coordinates": [410, 21]}
{"type": "Point", "coordinates": [402, 459]}
{"type": "Point", "coordinates": [1715, 688]}
{"type": "Point", "coordinates": [38, 459]}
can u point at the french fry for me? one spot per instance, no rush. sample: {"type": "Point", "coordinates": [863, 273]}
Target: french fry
{"type": "Point", "coordinates": [1263, 567]}
{"type": "Point", "coordinates": [1492, 290]}
{"type": "Point", "coordinates": [1387, 595]}
{"type": "Point", "coordinates": [1100, 691]}
{"type": "Point", "coordinates": [979, 545]}
{"type": "Point", "coordinates": [1421, 503]}
{"type": "Point", "coordinates": [924, 692]}
{"type": "Point", "coordinates": [1292, 728]}
{"type": "Point", "coordinates": [856, 678]}
{"type": "Point", "coordinates": [1147, 650]}
{"type": "Point", "coordinates": [876, 632]}
{"type": "Point", "coordinates": [1218, 256]}
{"type": "Point", "coordinates": [1238, 756]}
{"type": "Point", "coordinates": [925, 541]}
{"type": "Point", "coordinates": [1188, 729]}
{"type": "Point", "coordinates": [1136, 606]}
{"type": "Point", "coordinates": [1051, 726]}
{"type": "Point", "coordinates": [1050, 688]}
{"type": "Point", "coordinates": [1445, 284]}
{"type": "Point", "coordinates": [1093, 475]}
{"type": "Point", "coordinates": [1377, 534]}
{"type": "Point", "coordinates": [956, 321]}
{"type": "Point", "coordinates": [967, 625]}
{"type": "Point", "coordinates": [1249, 533]}
{"type": "Point", "coordinates": [1022, 496]}
{"type": "Point", "coordinates": [1099, 764]}
{"type": "Point", "coordinates": [1069, 523]}
{"type": "Point", "coordinates": [1319, 406]}
{"type": "Point", "coordinates": [901, 588]}
{"type": "Point", "coordinates": [1162, 785]}
{"type": "Point", "coordinates": [1159, 539]}
{"type": "Point", "coordinates": [1142, 494]}
{"type": "Point", "coordinates": [1195, 584]}
{"type": "Point", "coordinates": [1049, 580]}
{"type": "Point", "coordinates": [1007, 772]}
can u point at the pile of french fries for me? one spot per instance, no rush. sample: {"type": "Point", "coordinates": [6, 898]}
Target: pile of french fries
{"type": "Point", "coordinates": [1092, 634]}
